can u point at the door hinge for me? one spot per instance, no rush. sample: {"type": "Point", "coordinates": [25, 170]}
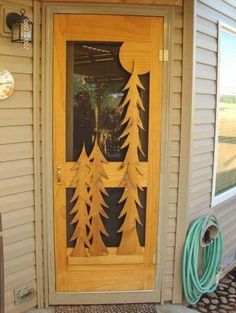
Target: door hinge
{"type": "Point", "coordinates": [163, 55]}
{"type": "Point", "coordinates": [154, 259]}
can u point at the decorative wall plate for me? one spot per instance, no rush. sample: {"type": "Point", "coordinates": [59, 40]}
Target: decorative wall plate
{"type": "Point", "coordinates": [7, 84]}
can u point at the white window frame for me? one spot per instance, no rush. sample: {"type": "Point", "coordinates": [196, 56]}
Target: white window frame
{"type": "Point", "coordinates": [216, 200]}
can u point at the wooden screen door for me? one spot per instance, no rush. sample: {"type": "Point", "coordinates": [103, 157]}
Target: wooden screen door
{"type": "Point", "coordinates": [106, 130]}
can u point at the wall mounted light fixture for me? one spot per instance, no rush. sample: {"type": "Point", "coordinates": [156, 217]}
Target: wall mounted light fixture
{"type": "Point", "coordinates": [21, 27]}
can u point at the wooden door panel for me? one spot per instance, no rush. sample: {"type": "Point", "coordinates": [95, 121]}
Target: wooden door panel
{"type": "Point", "coordinates": [113, 172]}
{"type": "Point", "coordinates": [127, 28]}
{"type": "Point", "coordinates": [93, 265]}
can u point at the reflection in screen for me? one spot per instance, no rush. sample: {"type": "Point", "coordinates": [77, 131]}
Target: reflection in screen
{"type": "Point", "coordinates": [95, 80]}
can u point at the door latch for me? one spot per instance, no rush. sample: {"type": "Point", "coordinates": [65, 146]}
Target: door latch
{"type": "Point", "coordinates": [59, 175]}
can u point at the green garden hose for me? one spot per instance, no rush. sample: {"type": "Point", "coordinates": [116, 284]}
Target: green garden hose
{"type": "Point", "coordinates": [194, 283]}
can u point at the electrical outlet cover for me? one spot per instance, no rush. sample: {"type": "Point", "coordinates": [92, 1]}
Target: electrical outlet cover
{"type": "Point", "coordinates": [24, 293]}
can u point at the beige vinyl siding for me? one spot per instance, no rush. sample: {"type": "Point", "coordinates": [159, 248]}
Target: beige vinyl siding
{"type": "Point", "coordinates": [209, 13]}
{"type": "Point", "coordinates": [17, 166]}
{"type": "Point", "coordinates": [174, 153]}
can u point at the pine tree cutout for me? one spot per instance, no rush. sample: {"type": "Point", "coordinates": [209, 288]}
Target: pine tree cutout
{"type": "Point", "coordinates": [81, 218]}
{"type": "Point", "coordinates": [129, 241]}
{"type": "Point", "coordinates": [97, 203]}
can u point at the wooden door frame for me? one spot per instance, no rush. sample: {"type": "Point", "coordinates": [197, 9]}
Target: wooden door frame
{"type": "Point", "coordinates": [51, 296]}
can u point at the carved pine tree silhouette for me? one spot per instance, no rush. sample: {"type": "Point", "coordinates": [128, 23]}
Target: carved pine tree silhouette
{"type": "Point", "coordinates": [97, 203]}
{"type": "Point", "coordinates": [132, 103]}
{"type": "Point", "coordinates": [81, 218]}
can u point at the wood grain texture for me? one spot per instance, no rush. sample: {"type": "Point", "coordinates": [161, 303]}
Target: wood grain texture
{"type": "Point", "coordinates": [71, 272]}
{"type": "Point", "coordinates": [111, 169]}
{"type": "Point", "coordinates": [110, 258]}
{"type": "Point", "coordinates": [157, 2]}
{"type": "Point", "coordinates": [59, 152]}
{"type": "Point", "coordinates": [97, 202]}
{"type": "Point", "coordinates": [80, 210]}
{"type": "Point", "coordinates": [132, 103]}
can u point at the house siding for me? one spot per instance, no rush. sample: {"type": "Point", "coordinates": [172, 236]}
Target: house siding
{"type": "Point", "coordinates": [209, 13]}
{"type": "Point", "coordinates": [17, 194]}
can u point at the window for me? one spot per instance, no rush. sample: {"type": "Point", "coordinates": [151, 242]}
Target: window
{"type": "Point", "coordinates": [224, 182]}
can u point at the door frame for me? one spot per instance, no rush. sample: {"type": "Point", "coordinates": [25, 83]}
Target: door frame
{"type": "Point", "coordinates": [51, 296]}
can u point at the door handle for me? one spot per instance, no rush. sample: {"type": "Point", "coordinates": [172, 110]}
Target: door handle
{"type": "Point", "coordinates": [59, 175]}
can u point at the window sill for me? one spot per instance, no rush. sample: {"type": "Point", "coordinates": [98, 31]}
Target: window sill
{"type": "Point", "coordinates": [220, 199]}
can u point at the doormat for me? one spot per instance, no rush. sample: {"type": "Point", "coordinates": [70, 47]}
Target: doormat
{"type": "Point", "coordinates": [108, 308]}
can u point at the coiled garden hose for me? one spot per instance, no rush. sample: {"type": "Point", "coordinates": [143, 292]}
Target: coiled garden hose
{"type": "Point", "coordinates": [196, 283]}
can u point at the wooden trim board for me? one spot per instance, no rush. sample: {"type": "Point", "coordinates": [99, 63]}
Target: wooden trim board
{"type": "Point", "coordinates": [144, 2]}
{"type": "Point", "coordinates": [37, 155]}
{"type": "Point", "coordinates": [186, 142]}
